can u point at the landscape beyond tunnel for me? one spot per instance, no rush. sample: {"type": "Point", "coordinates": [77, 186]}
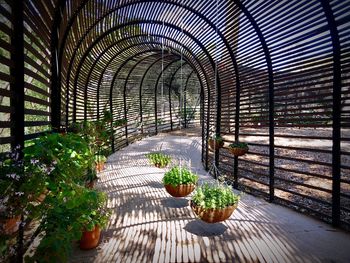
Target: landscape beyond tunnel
{"type": "Point", "coordinates": [272, 74]}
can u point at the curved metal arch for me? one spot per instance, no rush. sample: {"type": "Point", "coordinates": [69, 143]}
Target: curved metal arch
{"type": "Point", "coordinates": [271, 101]}
{"type": "Point", "coordinates": [207, 20]}
{"type": "Point", "coordinates": [117, 28]}
{"type": "Point", "coordinates": [140, 90]}
{"type": "Point", "coordinates": [81, 62]}
{"type": "Point", "coordinates": [124, 90]}
{"type": "Point", "coordinates": [199, 64]}
{"type": "Point", "coordinates": [112, 85]}
{"type": "Point", "coordinates": [89, 74]}
{"type": "Point", "coordinates": [117, 72]}
{"type": "Point", "coordinates": [74, 105]}
{"type": "Point", "coordinates": [213, 66]}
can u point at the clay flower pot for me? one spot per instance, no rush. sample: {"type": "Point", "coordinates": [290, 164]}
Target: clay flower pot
{"type": "Point", "coordinates": [8, 226]}
{"type": "Point", "coordinates": [100, 166]}
{"type": "Point", "coordinates": [179, 190]}
{"type": "Point", "coordinates": [215, 145]}
{"type": "Point", "coordinates": [90, 239]}
{"type": "Point", "coordinates": [238, 151]}
{"type": "Point", "coordinates": [213, 215]}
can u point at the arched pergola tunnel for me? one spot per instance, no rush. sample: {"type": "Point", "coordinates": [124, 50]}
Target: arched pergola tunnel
{"type": "Point", "coordinates": [282, 83]}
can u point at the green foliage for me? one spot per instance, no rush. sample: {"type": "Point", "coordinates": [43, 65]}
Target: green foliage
{"type": "Point", "coordinates": [120, 122]}
{"type": "Point", "coordinates": [107, 116]}
{"type": "Point", "coordinates": [214, 196]}
{"type": "Point", "coordinates": [179, 175]}
{"type": "Point", "coordinates": [69, 207]}
{"type": "Point", "coordinates": [217, 138]}
{"type": "Point", "coordinates": [76, 209]}
{"type": "Point", "coordinates": [20, 180]}
{"type": "Point", "coordinates": [100, 158]}
{"type": "Point", "coordinates": [242, 145]}
{"type": "Point", "coordinates": [159, 159]}
{"type": "Point", "coordinates": [69, 155]}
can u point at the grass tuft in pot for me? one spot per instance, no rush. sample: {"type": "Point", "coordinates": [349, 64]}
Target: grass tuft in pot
{"type": "Point", "coordinates": [159, 159]}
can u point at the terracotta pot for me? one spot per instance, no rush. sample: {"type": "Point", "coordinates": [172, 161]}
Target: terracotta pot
{"type": "Point", "coordinates": [214, 145]}
{"type": "Point", "coordinates": [8, 226]}
{"type": "Point", "coordinates": [90, 239]}
{"type": "Point", "coordinates": [213, 215]}
{"type": "Point", "coordinates": [90, 184]}
{"type": "Point", "coordinates": [100, 166]}
{"type": "Point", "coordinates": [180, 190]}
{"type": "Point", "coordinates": [42, 196]}
{"type": "Point", "coordinates": [238, 151]}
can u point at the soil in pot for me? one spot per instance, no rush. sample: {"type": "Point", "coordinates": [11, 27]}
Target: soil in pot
{"type": "Point", "coordinates": [181, 190]}
{"type": "Point", "coordinates": [90, 239]}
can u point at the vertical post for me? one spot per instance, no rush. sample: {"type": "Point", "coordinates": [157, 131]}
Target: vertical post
{"type": "Point", "coordinates": [125, 113]}
{"type": "Point", "coordinates": [111, 110]}
{"type": "Point", "coordinates": [336, 113]}
{"type": "Point", "coordinates": [185, 97]}
{"type": "Point", "coordinates": [235, 164]}
{"type": "Point", "coordinates": [155, 105]}
{"type": "Point", "coordinates": [17, 72]}
{"type": "Point", "coordinates": [201, 117]}
{"type": "Point", "coordinates": [170, 111]}
{"type": "Point", "coordinates": [55, 75]}
{"type": "Point", "coordinates": [271, 97]}
{"type": "Point", "coordinates": [17, 90]}
{"type": "Point", "coordinates": [218, 114]}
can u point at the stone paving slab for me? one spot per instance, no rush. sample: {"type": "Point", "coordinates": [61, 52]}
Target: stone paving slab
{"type": "Point", "coordinates": [148, 225]}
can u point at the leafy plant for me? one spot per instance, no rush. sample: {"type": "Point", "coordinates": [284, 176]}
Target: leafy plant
{"type": "Point", "coordinates": [217, 138]}
{"type": "Point", "coordinates": [214, 196]}
{"type": "Point", "coordinates": [100, 158]}
{"type": "Point", "coordinates": [241, 145]}
{"type": "Point", "coordinates": [179, 175]}
{"type": "Point", "coordinates": [77, 210]}
{"type": "Point", "coordinates": [107, 116]}
{"type": "Point", "coordinates": [159, 159]}
{"type": "Point", "coordinates": [69, 157]}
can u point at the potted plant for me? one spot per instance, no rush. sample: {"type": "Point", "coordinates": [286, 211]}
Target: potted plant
{"type": "Point", "coordinates": [159, 159]}
{"type": "Point", "coordinates": [238, 148]}
{"type": "Point", "coordinates": [94, 217]}
{"type": "Point", "coordinates": [78, 214]}
{"type": "Point", "coordinates": [179, 181]}
{"type": "Point", "coordinates": [100, 162]}
{"type": "Point", "coordinates": [216, 142]}
{"type": "Point", "coordinates": [214, 202]}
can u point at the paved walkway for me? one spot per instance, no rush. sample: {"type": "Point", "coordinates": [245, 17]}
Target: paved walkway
{"type": "Point", "coordinates": [150, 226]}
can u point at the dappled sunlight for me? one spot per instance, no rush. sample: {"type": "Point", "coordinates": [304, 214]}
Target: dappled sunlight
{"type": "Point", "coordinates": [148, 225]}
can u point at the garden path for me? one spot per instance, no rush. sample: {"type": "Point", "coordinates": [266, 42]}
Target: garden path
{"type": "Point", "coordinates": [148, 225]}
